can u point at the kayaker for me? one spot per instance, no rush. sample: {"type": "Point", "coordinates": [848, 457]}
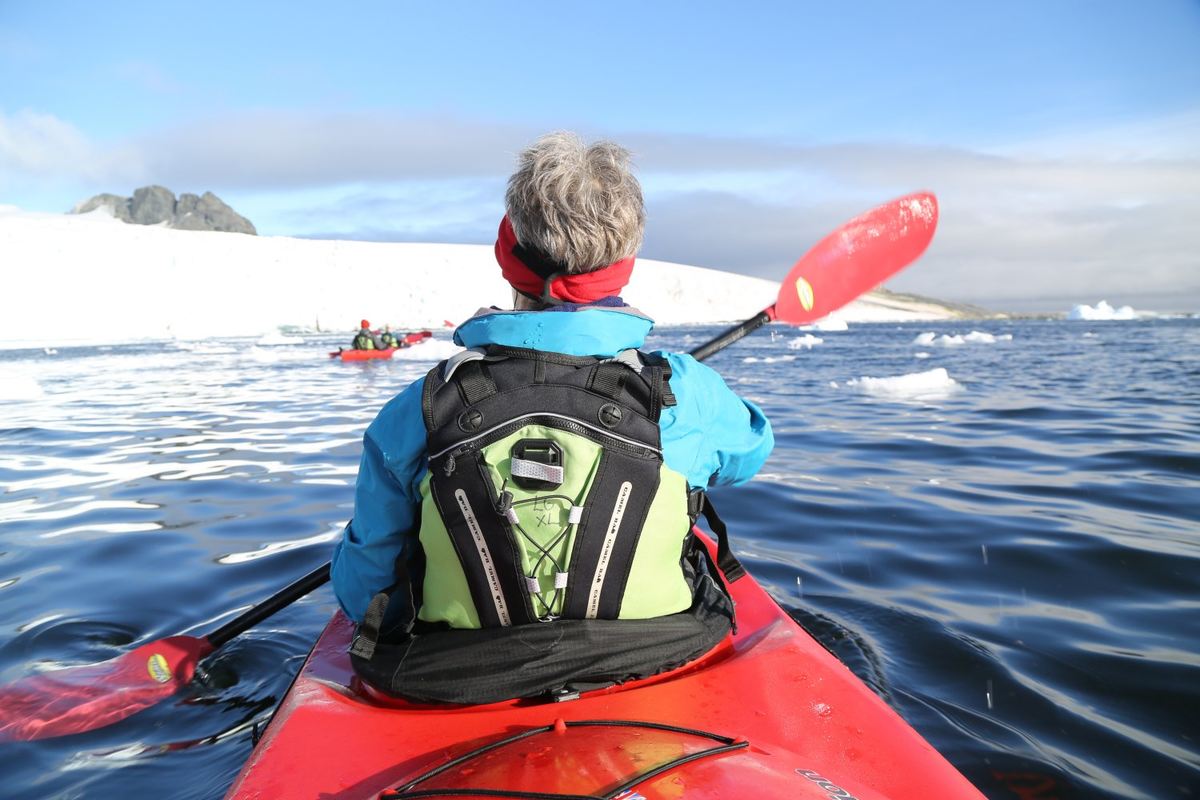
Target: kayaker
{"type": "Point", "coordinates": [533, 496]}
{"type": "Point", "coordinates": [388, 338]}
{"type": "Point", "coordinates": [366, 339]}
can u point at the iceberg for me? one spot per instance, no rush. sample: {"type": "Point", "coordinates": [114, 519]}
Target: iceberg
{"type": "Point", "coordinates": [934, 384]}
{"type": "Point", "coordinates": [1102, 311]}
{"type": "Point", "coordinates": [805, 342]}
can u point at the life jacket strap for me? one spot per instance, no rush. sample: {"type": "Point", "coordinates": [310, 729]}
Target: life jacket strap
{"type": "Point", "coordinates": [475, 383]}
{"type": "Point", "coordinates": [608, 378]}
{"type": "Point", "coordinates": [522, 468]}
{"type": "Point", "coordinates": [458, 359]}
{"type": "Point", "coordinates": [731, 568]}
{"type": "Point", "coordinates": [629, 358]}
{"type": "Point", "coordinates": [367, 636]}
{"type": "Point", "coordinates": [665, 397]}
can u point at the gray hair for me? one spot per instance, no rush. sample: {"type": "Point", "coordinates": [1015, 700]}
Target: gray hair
{"type": "Point", "coordinates": [580, 205]}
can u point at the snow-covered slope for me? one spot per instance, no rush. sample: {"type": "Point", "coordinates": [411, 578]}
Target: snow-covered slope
{"type": "Point", "coordinates": [90, 278]}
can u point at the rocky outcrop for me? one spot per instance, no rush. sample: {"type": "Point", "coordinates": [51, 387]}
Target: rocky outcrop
{"type": "Point", "coordinates": [208, 213]}
{"type": "Point", "coordinates": [151, 205]}
{"type": "Point", "coordinates": [155, 205]}
{"type": "Point", "coordinates": [117, 206]}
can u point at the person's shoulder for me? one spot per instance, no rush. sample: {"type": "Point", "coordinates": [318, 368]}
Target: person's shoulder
{"type": "Point", "coordinates": [697, 386]}
{"type": "Point", "coordinates": [402, 409]}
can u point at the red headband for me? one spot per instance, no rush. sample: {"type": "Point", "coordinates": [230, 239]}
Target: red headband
{"type": "Point", "coordinates": [584, 287]}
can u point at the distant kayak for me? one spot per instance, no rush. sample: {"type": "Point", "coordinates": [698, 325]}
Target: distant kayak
{"type": "Point", "coordinates": [409, 340]}
{"type": "Point", "coordinates": [768, 713]}
{"type": "Point", "coordinates": [363, 355]}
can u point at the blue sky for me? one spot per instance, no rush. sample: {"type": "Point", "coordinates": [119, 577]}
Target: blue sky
{"type": "Point", "coordinates": [1062, 138]}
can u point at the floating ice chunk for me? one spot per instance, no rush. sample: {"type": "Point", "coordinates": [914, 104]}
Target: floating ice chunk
{"type": "Point", "coordinates": [766, 359]}
{"type": "Point", "coordinates": [955, 339]}
{"type": "Point", "coordinates": [14, 386]}
{"type": "Point", "coordinates": [921, 354]}
{"type": "Point", "coordinates": [827, 324]}
{"type": "Point", "coordinates": [805, 342]}
{"type": "Point", "coordinates": [934, 384]}
{"type": "Point", "coordinates": [979, 337]}
{"type": "Point", "coordinates": [1102, 311]}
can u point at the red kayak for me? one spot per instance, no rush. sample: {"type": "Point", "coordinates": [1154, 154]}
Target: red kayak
{"type": "Point", "coordinates": [363, 355]}
{"type": "Point", "coordinates": [768, 713]}
{"type": "Point", "coordinates": [368, 355]}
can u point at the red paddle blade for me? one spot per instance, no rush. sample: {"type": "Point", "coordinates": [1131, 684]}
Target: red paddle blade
{"type": "Point", "coordinates": [83, 698]}
{"type": "Point", "coordinates": [856, 258]}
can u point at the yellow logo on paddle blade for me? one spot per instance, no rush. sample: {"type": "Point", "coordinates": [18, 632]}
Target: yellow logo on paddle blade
{"type": "Point", "coordinates": [158, 668]}
{"type": "Point", "coordinates": [805, 291]}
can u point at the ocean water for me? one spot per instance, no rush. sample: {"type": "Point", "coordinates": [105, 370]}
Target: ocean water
{"type": "Point", "coordinates": [998, 531]}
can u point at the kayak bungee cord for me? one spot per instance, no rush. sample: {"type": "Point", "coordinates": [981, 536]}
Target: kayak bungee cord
{"type": "Point", "coordinates": [409, 790]}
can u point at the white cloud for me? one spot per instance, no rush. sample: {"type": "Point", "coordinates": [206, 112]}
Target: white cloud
{"type": "Point", "coordinates": [1169, 136]}
{"type": "Point", "coordinates": [273, 150]}
{"type": "Point", "coordinates": [36, 145]}
{"type": "Point", "coordinates": [1107, 218]}
{"type": "Point", "coordinates": [42, 144]}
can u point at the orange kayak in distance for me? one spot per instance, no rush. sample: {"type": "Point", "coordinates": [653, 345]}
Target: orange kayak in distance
{"type": "Point", "coordinates": [370, 355]}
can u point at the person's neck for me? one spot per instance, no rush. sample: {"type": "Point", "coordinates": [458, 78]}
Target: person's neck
{"type": "Point", "coordinates": [523, 303]}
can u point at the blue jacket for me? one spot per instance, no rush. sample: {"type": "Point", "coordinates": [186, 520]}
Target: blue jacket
{"type": "Point", "coordinates": [711, 436]}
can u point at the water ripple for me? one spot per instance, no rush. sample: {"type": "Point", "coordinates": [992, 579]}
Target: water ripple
{"type": "Point", "coordinates": [1013, 567]}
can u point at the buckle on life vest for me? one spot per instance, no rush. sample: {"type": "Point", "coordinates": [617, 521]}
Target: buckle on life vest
{"type": "Point", "coordinates": [537, 464]}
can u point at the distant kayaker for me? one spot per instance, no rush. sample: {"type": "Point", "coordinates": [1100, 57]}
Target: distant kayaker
{"type": "Point", "coordinates": [367, 339]}
{"type": "Point", "coordinates": [523, 513]}
{"type": "Point", "coordinates": [389, 338]}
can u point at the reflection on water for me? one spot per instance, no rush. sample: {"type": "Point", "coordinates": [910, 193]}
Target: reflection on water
{"type": "Point", "coordinates": [1012, 564]}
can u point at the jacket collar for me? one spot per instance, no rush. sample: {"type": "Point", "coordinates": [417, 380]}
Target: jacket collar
{"type": "Point", "coordinates": [587, 331]}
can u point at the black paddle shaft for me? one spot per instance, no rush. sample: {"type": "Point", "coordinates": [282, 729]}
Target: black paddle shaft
{"type": "Point", "coordinates": [319, 576]}
{"type": "Point", "coordinates": [276, 602]}
{"type": "Point", "coordinates": [732, 335]}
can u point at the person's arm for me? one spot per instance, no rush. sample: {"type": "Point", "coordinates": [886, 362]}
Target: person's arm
{"type": "Point", "coordinates": [713, 436]}
{"type": "Point", "coordinates": [386, 503]}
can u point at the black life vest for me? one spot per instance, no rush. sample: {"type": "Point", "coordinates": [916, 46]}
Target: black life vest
{"type": "Point", "coordinates": [548, 496]}
{"type": "Point", "coordinates": [556, 548]}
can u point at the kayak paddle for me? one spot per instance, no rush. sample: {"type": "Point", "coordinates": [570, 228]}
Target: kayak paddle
{"type": "Point", "coordinates": [852, 260]}
{"type": "Point", "coordinates": [90, 696]}
{"type": "Point", "coordinates": [846, 264]}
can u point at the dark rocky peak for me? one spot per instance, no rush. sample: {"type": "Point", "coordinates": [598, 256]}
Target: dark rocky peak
{"type": "Point", "coordinates": [155, 205]}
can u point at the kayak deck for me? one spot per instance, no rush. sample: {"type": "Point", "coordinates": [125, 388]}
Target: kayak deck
{"type": "Point", "coordinates": [768, 713]}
